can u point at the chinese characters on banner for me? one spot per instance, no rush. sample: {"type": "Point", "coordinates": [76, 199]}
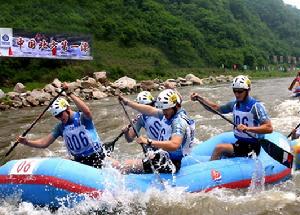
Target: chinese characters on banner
{"type": "Point", "coordinates": [16, 43]}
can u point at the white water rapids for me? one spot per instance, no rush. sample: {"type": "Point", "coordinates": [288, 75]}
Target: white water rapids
{"type": "Point", "coordinates": [109, 119]}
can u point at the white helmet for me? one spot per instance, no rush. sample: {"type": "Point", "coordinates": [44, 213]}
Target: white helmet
{"type": "Point", "coordinates": [58, 106]}
{"type": "Point", "coordinates": [241, 82]}
{"type": "Point", "coordinates": [145, 98]}
{"type": "Point", "coordinates": [167, 99]}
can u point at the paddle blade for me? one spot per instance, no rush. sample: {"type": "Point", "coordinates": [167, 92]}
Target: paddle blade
{"type": "Point", "coordinates": [277, 153]}
{"type": "Point", "coordinates": [110, 146]}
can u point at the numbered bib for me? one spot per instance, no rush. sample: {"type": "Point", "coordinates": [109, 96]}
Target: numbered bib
{"type": "Point", "coordinates": [245, 118]}
{"type": "Point", "coordinates": [157, 129]}
{"type": "Point", "coordinates": [78, 141]}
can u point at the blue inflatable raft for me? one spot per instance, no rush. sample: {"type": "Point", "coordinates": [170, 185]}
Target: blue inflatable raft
{"type": "Point", "coordinates": [55, 181]}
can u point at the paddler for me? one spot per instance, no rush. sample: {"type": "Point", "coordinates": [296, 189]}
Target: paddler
{"type": "Point", "coordinates": [176, 139]}
{"type": "Point", "coordinates": [77, 129]}
{"type": "Point", "coordinates": [249, 115]}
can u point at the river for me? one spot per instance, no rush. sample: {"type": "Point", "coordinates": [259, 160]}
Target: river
{"type": "Point", "coordinates": [109, 119]}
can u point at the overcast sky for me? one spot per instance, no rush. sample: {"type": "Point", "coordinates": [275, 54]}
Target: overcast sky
{"type": "Point", "coordinates": [293, 2]}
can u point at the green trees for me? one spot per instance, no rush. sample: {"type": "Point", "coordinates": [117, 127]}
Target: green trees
{"type": "Point", "coordinates": [186, 33]}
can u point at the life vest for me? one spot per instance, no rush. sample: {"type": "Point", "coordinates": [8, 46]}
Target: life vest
{"type": "Point", "coordinates": [81, 142]}
{"type": "Point", "coordinates": [188, 138]}
{"type": "Point", "coordinates": [243, 115]}
{"type": "Point", "coordinates": [156, 128]}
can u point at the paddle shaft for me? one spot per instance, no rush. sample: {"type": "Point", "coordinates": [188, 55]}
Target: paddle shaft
{"type": "Point", "coordinates": [292, 132]}
{"type": "Point", "coordinates": [135, 131]}
{"type": "Point", "coordinates": [34, 122]}
{"type": "Point", "coordinates": [118, 137]}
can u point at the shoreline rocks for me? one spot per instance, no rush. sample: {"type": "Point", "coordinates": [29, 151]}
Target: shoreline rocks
{"type": "Point", "coordinates": [97, 87]}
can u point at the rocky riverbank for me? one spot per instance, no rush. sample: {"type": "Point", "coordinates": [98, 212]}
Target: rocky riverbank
{"type": "Point", "coordinates": [96, 87]}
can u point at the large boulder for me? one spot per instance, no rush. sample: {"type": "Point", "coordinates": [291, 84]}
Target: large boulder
{"type": "Point", "coordinates": [149, 85]}
{"type": "Point", "coordinates": [32, 100]}
{"type": "Point", "coordinates": [40, 96]}
{"type": "Point", "coordinates": [25, 102]}
{"type": "Point", "coordinates": [194, 79]}
{"type": "Point", "coordinates": [100, 77]}
{"type": "Point", "coordinates": [186, 83]}
{"type": "Point", "coordinates": [73, 86]}
{"type": "Point", "coordinates": [49, 88]}
{"type": "Point", "coordinates": [17, 104]}
{"type": "Point", "coordinates": [56, 83]}
{"type": "Point", "coordinates": [19, 88]}
{"type": "Point", "coordinates": [183, 82]}
{"type": "Point", "coordinates": [87, 93]}
{"type": "Point", "coordinates": [12, 95]}
{"type": "Point", "coordinates": [89, 83]}
{"type": "Point", "coordinates": [169, 84]}
{"type": "Point", "coordinates": [171, 80]}
{"type": "Point", "coordinates": [124, 83]}
{"type": "Point", "coordinates": [97, 94]}
{"type": "Point", "coordinates": [180, 79]}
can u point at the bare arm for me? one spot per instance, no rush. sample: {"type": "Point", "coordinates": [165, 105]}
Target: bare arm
{"type": "Point", "coordinates": [81, 106]}
{"type": "Point", "coordinates": [265, 128]}
{"type": "Point", "coordinates": [213, 105]}
{"type": "Point", "coordinates": [292, 84]}
{"type": "Point", "coordinates": [169, 145]}
{"type": "Point", "coordinates": [145, 109]}
{"type": "Point", "coordinates": [43, 142]}
{"type": "Point", "coordinates": [78, 102]}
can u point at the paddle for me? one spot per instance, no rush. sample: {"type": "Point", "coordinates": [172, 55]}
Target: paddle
{"type": "Point", "coordinates": [110, 146]}
{"type": "Point", "coordinates": [143, 147]}
{"type": "Point", "coordinates": [277, 153]}
{"type": "Point", "coordinates": [34, 122]}
{"type": "Point", "coordinates": [294, 129]}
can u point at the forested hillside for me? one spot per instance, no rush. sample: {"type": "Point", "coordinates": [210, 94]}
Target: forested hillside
{"type": "Point", "coordinates": [153, 38]}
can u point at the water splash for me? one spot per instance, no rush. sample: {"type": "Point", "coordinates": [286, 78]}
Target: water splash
{"type": "Point", "coordinates": [258, 176]}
